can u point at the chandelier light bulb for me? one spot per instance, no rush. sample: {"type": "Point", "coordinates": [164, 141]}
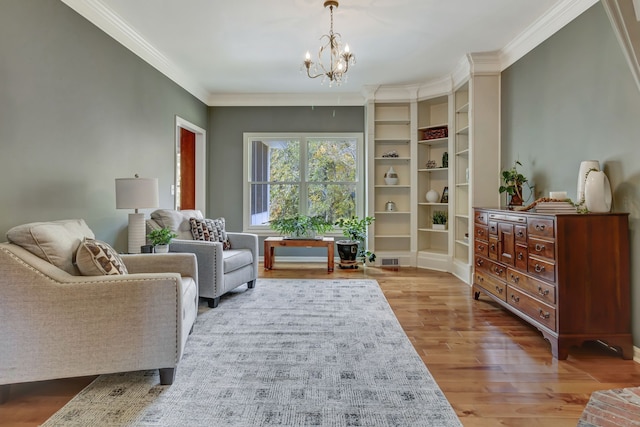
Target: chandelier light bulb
{"type": "Point", "coordinates": [346, 48]}
{"type": "Point", "coordinates": [307, 56]}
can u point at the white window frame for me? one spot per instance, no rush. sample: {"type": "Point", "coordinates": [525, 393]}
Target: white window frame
{"type": "Point", "coordinates": [249, 137]}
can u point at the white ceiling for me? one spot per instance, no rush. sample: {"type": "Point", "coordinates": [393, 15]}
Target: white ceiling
{"type": "Point", "coordinates": [217, 49]}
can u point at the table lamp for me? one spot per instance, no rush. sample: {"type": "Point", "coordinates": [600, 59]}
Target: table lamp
{"type": "Point", "coordinates": [136, 193]}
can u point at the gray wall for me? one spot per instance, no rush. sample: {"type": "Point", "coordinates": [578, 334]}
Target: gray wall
{"type": "Point", "coordinates": [226, 128]}
{"type": "Point", "coordinates": [77, 110]}
{"type": "Point", "coordinates": [573, 98]}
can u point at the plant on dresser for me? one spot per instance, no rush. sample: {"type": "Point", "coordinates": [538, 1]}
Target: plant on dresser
{"type": "Point", "coordinates": [566, 274]}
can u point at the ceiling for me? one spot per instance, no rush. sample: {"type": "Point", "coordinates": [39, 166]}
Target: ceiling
{"type": "Point", "coordinates": [217, 49]}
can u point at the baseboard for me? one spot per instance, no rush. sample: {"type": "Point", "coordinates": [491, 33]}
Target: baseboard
{"type": "Point", "coordinates": [636, 354]}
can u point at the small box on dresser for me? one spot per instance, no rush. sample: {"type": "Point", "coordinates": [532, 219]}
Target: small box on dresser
{"type": "Point", "coordinates": [566, 274]}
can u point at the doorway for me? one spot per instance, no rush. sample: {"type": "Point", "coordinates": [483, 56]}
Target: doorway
{"type": "Point", "coordinates": [190, 174]}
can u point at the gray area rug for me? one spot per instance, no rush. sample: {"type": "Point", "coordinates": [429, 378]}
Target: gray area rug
{"type": "Point", "coordinates": [287, 353]}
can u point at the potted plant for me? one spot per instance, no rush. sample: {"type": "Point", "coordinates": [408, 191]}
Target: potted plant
{"type": "Point", "coordinates": [161, 238]}
{"type": "Point", "coordinates": [439, 220]}
{"type": "Point", "coordinates": [355, 248]}
{"type": "Point", "coordinates": [512, 185]}
{"type": "Point", "coordinates": [301, 226]}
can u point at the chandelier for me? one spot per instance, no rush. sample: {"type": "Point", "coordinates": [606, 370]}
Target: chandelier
{"type": "Point", "coordinates": [339, 58]}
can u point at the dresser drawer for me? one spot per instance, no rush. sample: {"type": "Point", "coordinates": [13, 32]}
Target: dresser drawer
{"type": "Point", "coordinates": [490, 284]}
{"type": "Point", "coordinates": [535, 309]}
{"type": "Point", "coordinates": [542, 248]}
{"type": "Point", "coordinates": [521, 257]}
{"type": "Point", "coordinates": [480, 217]}
{"type": "Point", "coordinates": [493, 228]}
{"type": "Point", "coordinates": [542, 269]}
{"type": "Point", "coordinates": [481, 248]}
{"type": "Point", "coordinates": [521, 233]}
{"type": "Point", "coordinates": [541, 290]}
{"type": "Point", "coordinates": [493, 247]}
{"type": "Point", "coordinates": [541, 227]}
{"type": "Point", "coordinates": [481, 233]}
{"type": "Point", "coordinates": [491, 267]}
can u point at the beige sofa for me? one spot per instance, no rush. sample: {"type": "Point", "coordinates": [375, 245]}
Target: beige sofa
{"type": "Point", "coordinates": [219, 270]}
{"type": "Point", "coordinates": [56, 323]}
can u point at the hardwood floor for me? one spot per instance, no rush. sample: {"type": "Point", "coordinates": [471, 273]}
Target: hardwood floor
{"type": "Point", "coordinates": [495, 369]}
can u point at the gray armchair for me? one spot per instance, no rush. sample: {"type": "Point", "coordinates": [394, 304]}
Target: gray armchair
{"type": "Point", "coordinates": [219, 270]}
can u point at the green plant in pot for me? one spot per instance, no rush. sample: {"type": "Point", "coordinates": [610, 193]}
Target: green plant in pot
{"type": "Point", "coordinates": [161, 238]}
{"type": "Point", "coordinates": [355, 248]}
{"type": "Point", "coordinates": [301, 226]}
{"type": "Point", "coordinates": [439, 220]}
{"type": "Point", "coordinates": [512, 182]}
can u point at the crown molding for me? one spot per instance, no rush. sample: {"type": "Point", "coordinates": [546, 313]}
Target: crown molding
{"type": "Point", "coordinates": [627, 30]}
{"type": "Point", "coordinates": [476, 63]}
{"type": "Point", "coordinates": [285, 99]}
{"type": "Point", "coordinates": [109, 22]}
{"type": "Point", "coordinates": [546, 26]}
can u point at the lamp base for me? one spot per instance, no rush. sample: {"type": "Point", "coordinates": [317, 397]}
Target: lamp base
{"type": "Point", "coordinates": [136, 233]}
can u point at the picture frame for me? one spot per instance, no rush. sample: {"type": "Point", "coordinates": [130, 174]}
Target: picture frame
{"type": "Point", "coordinates": [445, 195]}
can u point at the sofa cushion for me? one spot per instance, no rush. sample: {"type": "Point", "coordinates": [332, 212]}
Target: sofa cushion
{"type": "Point", "coordinates": [211, 230]}
{"type": "Point", "coordinates": [54, 241]}
{"type": "Point", "coordinates": [97, 258]}
{"type": "Point", "coordinates": [176, 221]}
{"type": "Point", "coordinates": [234, 259]}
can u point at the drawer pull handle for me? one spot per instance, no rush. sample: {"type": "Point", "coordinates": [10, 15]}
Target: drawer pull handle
{"type": "Point", "coordinates": [515, 278]}
{"type": "Point", "coordinates": [493, 246]}
{"type": "Point", "coordinates": [520, 234]}
{"type": "Point", "coordinates": [539, 247]}
{"type": "Point", "coordinates": [498, 289]}
{"type": "Point", "coordinates": [515, 298]}
{"type": "Point", "coordinates": [498, 270]}
{"type": "Point", "coordinates": [539, 268]}
{"type": "Point", "coordinates": [520, 256]}
{"type": "Point", "coordinates": [540, 227]}
{"type": "Point", "coordinates": [480, 248]}
{"type": "Point", "coordinates": [479, 262]}
{"type": "Point", "coordinates": [543, 292]}
{"type": "Point", "coordinates": [493, 228]}
{"type": "Point", "coordinates": [480, 279]}
{"type": "Point", "coordinates": [544, 314]}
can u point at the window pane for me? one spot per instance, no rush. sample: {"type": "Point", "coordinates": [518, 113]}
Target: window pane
{"type": "Point", "coordinates": [332, 160]}
{"type": "Point", "coordinates": [270, 201]}
{"type": "Point", "coordinates": [332, 201]}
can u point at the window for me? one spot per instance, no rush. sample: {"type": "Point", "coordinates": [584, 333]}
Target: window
{"type": "Point", "coordinates": [311, 174]}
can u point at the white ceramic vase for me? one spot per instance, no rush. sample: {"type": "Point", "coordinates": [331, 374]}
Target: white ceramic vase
{"type": "Point", "coordinates": [391, 177]}
{"type": "Point", "coordinates": [585, 167]}
{"type": "Point", "coordinates": [432, 196]}
{"type": "Point", "coordinates": [597, 192]}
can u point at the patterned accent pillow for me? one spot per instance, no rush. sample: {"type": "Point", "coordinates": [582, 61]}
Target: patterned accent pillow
{"type": "Point", "coordinates": [212, 230]}
{"type": "Point", "coordinates": [97, 258]}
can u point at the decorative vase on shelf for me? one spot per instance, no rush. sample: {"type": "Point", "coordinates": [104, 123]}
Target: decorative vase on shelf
{"type": "Point", "coordinates": [391, 177]}
{"type": "Point", "coordinates": [585, 167]}
{"type": "Point", "coordinates": [432, 196]}
{"type": "Point", "coordinates": [597, 192]}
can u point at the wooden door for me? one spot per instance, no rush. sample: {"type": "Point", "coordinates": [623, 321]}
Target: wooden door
{"type": "Point", "coordinates": [187, 169]}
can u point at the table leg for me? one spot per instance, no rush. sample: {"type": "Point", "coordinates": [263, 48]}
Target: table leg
{"type": "Point", "coordinates": [267, 256]}
{"type": "Point", "coordinates": [330, 257]}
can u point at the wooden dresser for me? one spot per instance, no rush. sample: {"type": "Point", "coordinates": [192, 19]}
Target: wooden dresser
{"type": "Point", "coordinates": [566, 274]}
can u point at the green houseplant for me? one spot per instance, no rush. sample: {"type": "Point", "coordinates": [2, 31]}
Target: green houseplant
{"type": "Point", "coordinates": [301, 226]}
{"type": "Point", "coordinates": [355, 248]}
{"type": "Point", "coordinates": [439, 220]}
{"type": "Point", "coordinates": [512, 184]}
{"type": "Point", "coordinates": [161, 238]}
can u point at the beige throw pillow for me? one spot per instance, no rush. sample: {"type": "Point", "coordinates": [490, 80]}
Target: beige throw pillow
{"type": "Point", "coordinates": [53, 241]}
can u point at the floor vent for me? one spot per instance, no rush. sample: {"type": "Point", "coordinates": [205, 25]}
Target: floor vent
{"type": "Point", "coordinates": [390, 263]}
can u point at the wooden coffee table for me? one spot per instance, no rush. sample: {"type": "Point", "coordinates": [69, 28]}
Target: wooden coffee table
{"type": "Point", "coordinates": [270, 244]}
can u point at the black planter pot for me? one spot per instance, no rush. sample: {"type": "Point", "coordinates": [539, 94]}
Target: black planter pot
{"type": "Point", "coordinates": [348, 251]}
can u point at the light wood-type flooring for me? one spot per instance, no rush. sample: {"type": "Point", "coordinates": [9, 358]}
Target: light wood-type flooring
{"type": "Point", "coordinates": [495, 369]}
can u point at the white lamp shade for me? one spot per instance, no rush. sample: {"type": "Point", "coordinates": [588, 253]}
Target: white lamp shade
{"type": "Point", "coordinates": [136, 193]}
